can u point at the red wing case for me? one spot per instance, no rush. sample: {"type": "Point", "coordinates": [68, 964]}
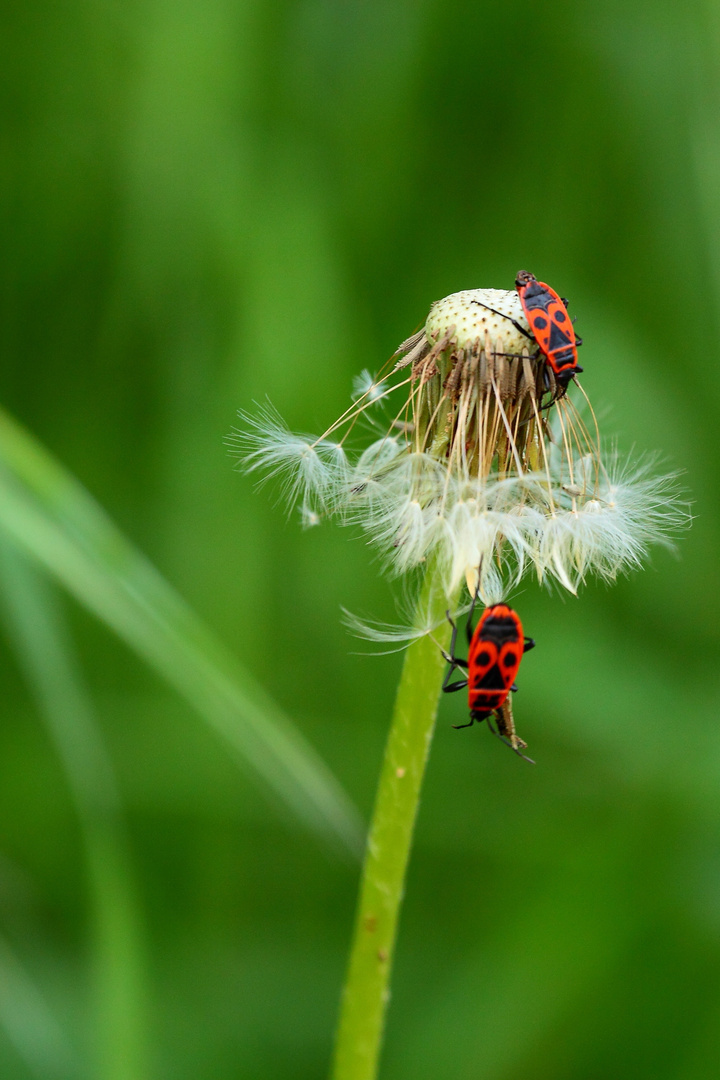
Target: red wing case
{"type": "Point", "coordinates": [494, 657]}
{"type": "Point", "coordinates": [550, 324]}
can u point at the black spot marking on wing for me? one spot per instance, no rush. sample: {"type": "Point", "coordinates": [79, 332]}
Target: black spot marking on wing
{"type": "Point", "coordinates": [492, 679]}
{"type": "Point", "coordinates": [558, 338]}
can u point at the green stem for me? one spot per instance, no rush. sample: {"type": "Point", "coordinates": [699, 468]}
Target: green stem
{"type": "Point", "coordinates": [366, 993]}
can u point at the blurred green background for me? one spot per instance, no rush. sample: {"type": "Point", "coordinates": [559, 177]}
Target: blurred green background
{"type": "Point", "coordinates": [207, 204]}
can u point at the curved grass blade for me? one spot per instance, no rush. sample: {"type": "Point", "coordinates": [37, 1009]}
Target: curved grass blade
{"type": "Point", "coordinates": [36, 628]}
{"type": "Point", "coordinates": [51, 517]}
{"type": "Point", "coordinates": [30, 1026]}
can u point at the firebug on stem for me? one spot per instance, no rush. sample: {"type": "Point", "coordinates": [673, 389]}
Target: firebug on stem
{"type": "Point", "coordinates": [495, 649]}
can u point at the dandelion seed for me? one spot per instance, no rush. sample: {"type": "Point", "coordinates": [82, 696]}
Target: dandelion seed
{"type": "Point", "coordinates": [309, 517]}
{"type": "Point", "coordinates": [306, 466]}
{"type": "Point", "coordinates": [481, 463]}
{"type": "Point", "coordinates": [366, 387]}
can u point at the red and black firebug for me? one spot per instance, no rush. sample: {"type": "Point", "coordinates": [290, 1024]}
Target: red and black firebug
{"type": "Point", "coordinates": [495, 649]}
{"type": "Point", "coordinates": [551, 327]}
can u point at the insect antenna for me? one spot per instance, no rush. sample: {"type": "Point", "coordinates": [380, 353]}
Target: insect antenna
{"type": "Point", "coordinates": [509, 318]}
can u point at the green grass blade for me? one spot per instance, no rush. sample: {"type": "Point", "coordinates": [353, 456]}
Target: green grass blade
{"type": "Point", "coordinates": [51, 517]}
{"type": "Point", "coordinates": [119, 1026]}
{"type": "Point", "coordinates": [30, 1026]}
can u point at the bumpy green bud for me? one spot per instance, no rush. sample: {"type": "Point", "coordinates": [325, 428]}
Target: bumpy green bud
{"type": "Point", "coordinates": [477, 313]}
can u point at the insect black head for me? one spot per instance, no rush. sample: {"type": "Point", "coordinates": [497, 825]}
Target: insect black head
{"type": "Point", "coordinates": [524, 278]}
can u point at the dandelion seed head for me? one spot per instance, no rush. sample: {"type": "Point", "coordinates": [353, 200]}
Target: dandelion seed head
{"type": "Point", "coordinates": [469, 313]}
{"type": "Point", "coordinates": [482, 463]}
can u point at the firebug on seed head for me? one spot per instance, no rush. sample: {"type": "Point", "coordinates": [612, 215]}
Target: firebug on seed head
{"type": "Point", "coordinates": [551, 326]}
{"type": "Point", "coordinates": [550, 323]}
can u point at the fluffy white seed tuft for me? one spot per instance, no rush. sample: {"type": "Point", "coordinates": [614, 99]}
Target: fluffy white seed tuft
{"type": "Point", "coordinates": [314, 469]}
{"type": "Point", "coordinates": [369, 389]}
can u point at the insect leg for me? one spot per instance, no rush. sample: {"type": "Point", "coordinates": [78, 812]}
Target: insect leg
{"type": "Point", "coordinates": [453, 686]}
{"type": "Point", "coordinates": [469, 625]}
{"type": "Point", "coordinates": [451, 658]}
{"type": "Point", "coordinates": [454, 661]}
{"type": "Point", "coordinates": [529, 644]}
{"type": "Point", "coordinates": [560, 392]}
{"type": "Point", "coordinates": [469, 724]}
{"type": "Point", "coordinates": [507, 742]}
{"type": "Point", "coordinates": [496, 733]}
{"type": "Point", "coordinates": [518, 327]}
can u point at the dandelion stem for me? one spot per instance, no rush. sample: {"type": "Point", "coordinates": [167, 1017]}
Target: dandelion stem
{"type": "Point", "coordinates": [366, 993]}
